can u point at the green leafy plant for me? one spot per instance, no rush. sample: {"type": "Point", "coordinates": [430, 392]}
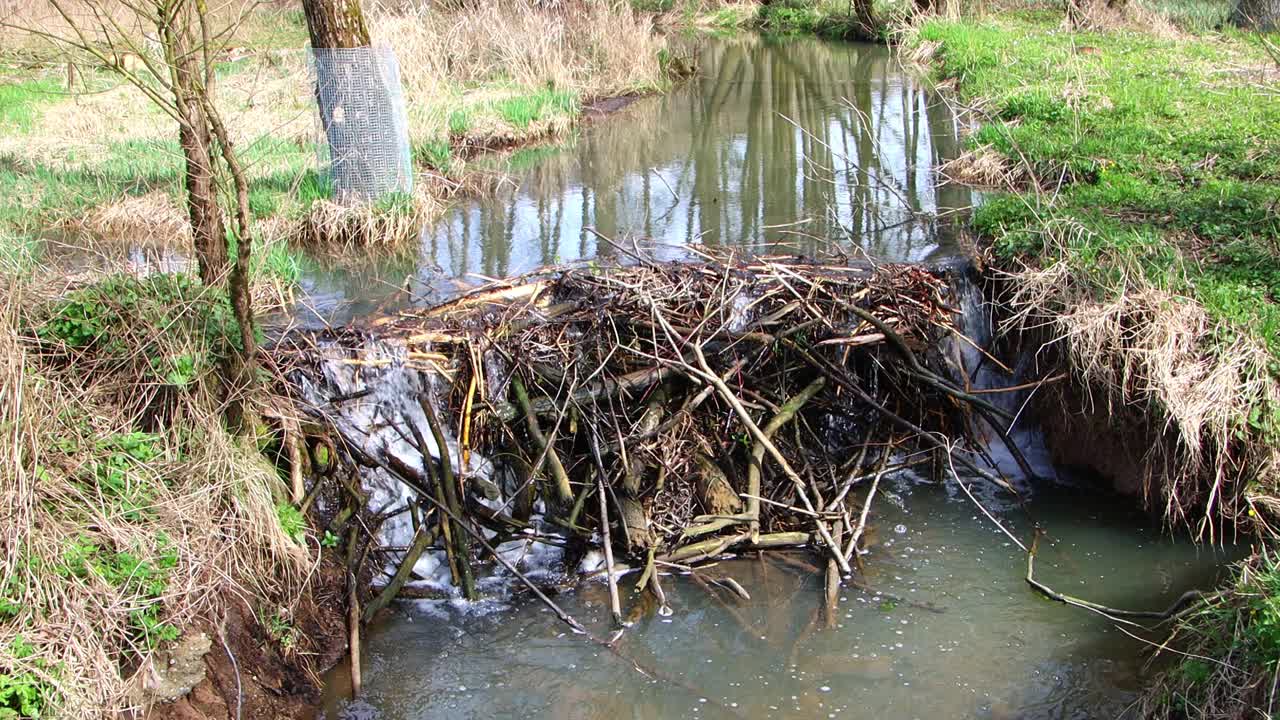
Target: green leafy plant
{"type": "Point", "coordinates": [145, 576]}
{"type": "Point", "coordinates": [282, 630]}
{"type": "Point", "coordinates": [292, 522]}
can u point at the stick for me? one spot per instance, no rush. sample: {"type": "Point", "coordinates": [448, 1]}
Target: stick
{"type": "Point", "coordinates": [784, 414]}
{"type": "Point", "coordinates": [614, 604]}
{"type": "Point", "coordinates": [421, 541]}
{"type": "Point", "coordinates": [446, 481]}
{"type": "Point", "coordinates": [761, 438]}
{"type": "Point", "coordinates": [1109, 612]}
{"type": "Point", "coordinates": [353, 621]}
{"type": "Point", "coordinates": [563, 488]}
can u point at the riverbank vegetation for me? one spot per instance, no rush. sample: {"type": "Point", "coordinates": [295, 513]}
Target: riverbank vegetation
{"type": "Point", "coordinates": [1138, 164]}
{"type": "Point", "coordinates": [138, 528]}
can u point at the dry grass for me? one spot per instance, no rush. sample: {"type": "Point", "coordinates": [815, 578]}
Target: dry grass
{"type": "Point", "coordinates": [1147, 347]}
{"type": "Point", "coordinates": [200, 518]}
{"type": "Point", "coordinates": [460, 62]}
{"type": "Point", "coordinates": [982, 167]}
{"type": "Point", "coordinates": [148, 220]}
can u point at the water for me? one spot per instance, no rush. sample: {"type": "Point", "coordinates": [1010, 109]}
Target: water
{"type": "Point", "coordinates": [785, 145]}
{"type": "Point", "coordinates": [946, 628]}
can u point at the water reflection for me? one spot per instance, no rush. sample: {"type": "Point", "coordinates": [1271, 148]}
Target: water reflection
{"type": "Point", "coordinates": [790, 145]}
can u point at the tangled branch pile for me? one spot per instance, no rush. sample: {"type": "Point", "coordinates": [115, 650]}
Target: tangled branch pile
{"type": "Point", "coordinates": [725, 405]}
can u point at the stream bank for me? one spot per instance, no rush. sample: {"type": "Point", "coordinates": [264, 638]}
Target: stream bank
{"type": "Point", "coordinates": [1134, 225]}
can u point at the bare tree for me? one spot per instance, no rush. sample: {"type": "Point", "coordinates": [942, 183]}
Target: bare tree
{"type": "Point", "coordinates": [165, 49]}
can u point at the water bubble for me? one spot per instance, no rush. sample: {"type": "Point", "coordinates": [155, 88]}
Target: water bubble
{"type": "Point", "coordinates": [900, 529]}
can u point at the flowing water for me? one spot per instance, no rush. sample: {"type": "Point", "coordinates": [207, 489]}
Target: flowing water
{"type": "Point", "coordinates": [792, 146]}
{"type": "Point", "coordinates": [785, 145]}
{"type": "Point", "coordinates": [945, 628]}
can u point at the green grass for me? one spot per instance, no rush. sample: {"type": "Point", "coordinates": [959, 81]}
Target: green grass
{"type": "Point", "coordinates": [1232, 646]}
{"type": "Point", "coordinates": [1170, 163]}
{"type": "Point", "coordinates": [20, 102]}
{"type": "Point", "coordinates": [524, 110]}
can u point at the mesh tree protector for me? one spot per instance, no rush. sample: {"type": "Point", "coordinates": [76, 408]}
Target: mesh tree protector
{"type": "Point", "coordinates": [365, 144]}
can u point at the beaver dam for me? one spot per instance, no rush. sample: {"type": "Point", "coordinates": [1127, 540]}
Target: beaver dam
{"type": "Point", "coordinates": [647, 423]}
{"type": "Point", "coordinates": [685, 477]}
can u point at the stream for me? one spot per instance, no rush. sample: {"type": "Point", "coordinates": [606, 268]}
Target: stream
{"type": "Point", "coordinates": [946, 628]}
{"type": "Point", "coordinates": [789, 146]}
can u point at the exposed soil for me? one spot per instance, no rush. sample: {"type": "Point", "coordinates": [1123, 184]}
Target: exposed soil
{"type": "Point", "coordinates": [257, 679]}
{"type": "Point", "coordinates": [1113, 443]}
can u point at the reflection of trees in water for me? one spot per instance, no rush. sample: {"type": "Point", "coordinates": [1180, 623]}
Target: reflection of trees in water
{"type": "Point", "coordinates": [802, 143]}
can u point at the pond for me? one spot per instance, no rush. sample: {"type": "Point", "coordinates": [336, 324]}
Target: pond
{"type": "Point", "coordinates": [794, 145]}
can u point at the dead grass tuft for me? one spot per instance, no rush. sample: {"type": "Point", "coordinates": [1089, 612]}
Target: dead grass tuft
{"type": "Point", "coordinates": [335, 229]}
{"type": "Point", "coordinates": [1145, 346]}
{"type": "Point", "coordinates": [982, 167]}
{"type": "Point", "coordinates": [151, 220]}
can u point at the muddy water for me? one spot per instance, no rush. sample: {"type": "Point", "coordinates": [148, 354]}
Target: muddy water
{"type": "Point", "coordinates": [789, 145]}
{"type": "Point", "coordinates": [945, 628]}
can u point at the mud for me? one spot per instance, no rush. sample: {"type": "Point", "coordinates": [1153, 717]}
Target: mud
{"type": "Point", "coordinates": [248, 676]}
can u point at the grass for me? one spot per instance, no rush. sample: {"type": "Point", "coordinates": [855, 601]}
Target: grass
{"type": "Point", "coordinates": [523, 111]}
{"type": "Point", "coordinates": [1232, 646]}
{"type": "Point", "coordinates": [131, 515]}
{"type": "Point", "coordinates": [1158, 162]}
{"type": "Point", "coordinates": [496, 74]}
{"type": "Point", "coordinates": [19, 101]}
{"type": "Point", "coordinates": [130, 512]}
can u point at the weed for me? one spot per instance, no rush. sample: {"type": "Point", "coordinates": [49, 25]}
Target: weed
{"type": "Point", "coordinates": [143, 576]}
{"type": "Point", "coordinates": [292, 522]}
{"type": "Point", "coordinates": [115, 472]}
{"type": "Point", "coordinates": [281, 630]}
{"type": "Point", "coordinates": [525, 110]}
{"type": "Point", "coordinates": [104, 317]}
{"type": "Point", "coordinates": [24, 695]}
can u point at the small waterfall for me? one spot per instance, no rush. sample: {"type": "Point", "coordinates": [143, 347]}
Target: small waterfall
{"type": "Point", "coordinates": [977, 367]}
{"type": "Point", "coordinates": [373, 392]}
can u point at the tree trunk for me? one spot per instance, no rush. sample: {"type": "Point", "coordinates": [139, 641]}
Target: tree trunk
{"type": "Point", "coordinates": [1263, 15]}
{"type": "Point", "coordinates": [336, 23]}
{"type": "Point", "coordinates": [360, 112]}
{"type": "Point", "coordinates": [208, 234]}
{"type": "Point", "coordinates": [864, 18]}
